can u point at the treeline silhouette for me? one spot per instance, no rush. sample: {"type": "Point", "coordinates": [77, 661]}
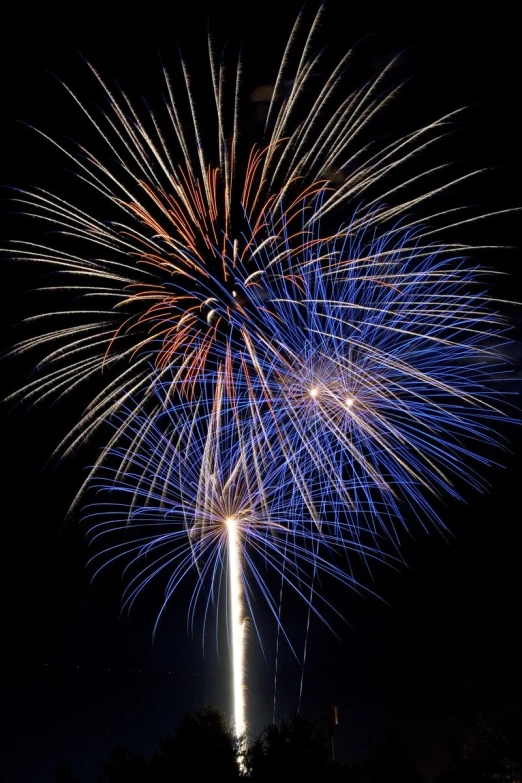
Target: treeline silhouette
{"type": "Point", "coordinates": [203, 748]}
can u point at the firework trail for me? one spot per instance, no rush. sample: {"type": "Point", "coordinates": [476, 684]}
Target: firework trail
{"type": "Point", "coordinates": [293, 361]}
{"type": "Point", "coordinates": [204, 496]}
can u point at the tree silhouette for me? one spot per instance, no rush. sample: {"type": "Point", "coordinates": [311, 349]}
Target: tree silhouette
{"type": "Point", "coordinates": [490, 752]}
{"type": "Point", "coordinates": [202, 748]}
{"type": "Point", "coordinates": [292, 750]}
{"type": "Point", "coordinates": [124, 768]}
{"type": "Point", "coordinates": [64, 774]}
{"type": "Point", "coordinates": [388, 763]}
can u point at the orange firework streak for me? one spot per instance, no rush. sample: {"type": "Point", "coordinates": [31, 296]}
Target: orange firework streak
{"type": "Point", "coordinates": [193, 213]}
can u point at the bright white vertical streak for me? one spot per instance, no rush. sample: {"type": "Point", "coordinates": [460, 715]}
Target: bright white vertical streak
{"type": "Point", "coordinates": [236, 624]}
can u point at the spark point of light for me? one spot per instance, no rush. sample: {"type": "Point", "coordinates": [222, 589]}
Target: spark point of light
{"type": "Point", "coordinates": [236, 624]}
{"type": "Point", "coordinates": [203, 384]}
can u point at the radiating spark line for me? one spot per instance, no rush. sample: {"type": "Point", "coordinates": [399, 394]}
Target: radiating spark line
{"type": "Point", "coordinates": [286, 388]}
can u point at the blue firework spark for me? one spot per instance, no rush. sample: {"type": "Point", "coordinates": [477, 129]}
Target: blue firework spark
{"type": "Point", "coordinates": [294, 362]}
{"type": "Point", "coordinates": [161, 510]}
{"type": "Point", "coordinates": [382, 385]}
{"type": "Point", "coordinates": [180, 271]}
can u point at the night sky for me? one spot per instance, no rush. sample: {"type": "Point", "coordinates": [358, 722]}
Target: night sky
{"type": "Point", "coordinates": [442, 644]}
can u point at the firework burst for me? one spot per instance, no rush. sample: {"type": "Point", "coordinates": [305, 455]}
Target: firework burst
{"type": "Point", "coordinates": [199, 244]}
{"type": "Point", "coordinates": [203, 496]}
{"type": "Point", "coordinates": [293, 361]}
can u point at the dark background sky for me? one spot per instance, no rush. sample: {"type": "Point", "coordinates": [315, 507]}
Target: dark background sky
{"type": "Point", "coordinates": [76, 678]}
